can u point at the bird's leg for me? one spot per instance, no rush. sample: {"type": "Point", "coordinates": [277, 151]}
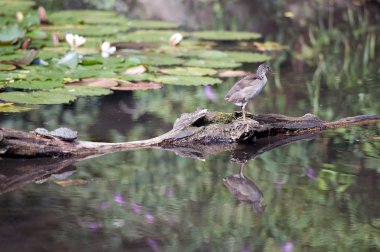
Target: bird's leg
{"type": "Point", "coordinates": [241, 171]}
{"type": "Point", "coordinates": [243, 109]}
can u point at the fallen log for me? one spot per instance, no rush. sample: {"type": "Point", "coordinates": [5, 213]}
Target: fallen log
{"type": "Point", "coordinates": [191, 131]}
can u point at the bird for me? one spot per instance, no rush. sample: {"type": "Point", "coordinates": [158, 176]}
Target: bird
{"type": "Point", "coordinates": [248, 88]}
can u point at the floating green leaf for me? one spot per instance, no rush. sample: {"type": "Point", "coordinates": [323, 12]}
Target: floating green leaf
{"type": "Point", "coordinates": [10, 108]}
{"type": "Point", "coordinates": [87, 73]}
{"type": "Point", "coordinates": [95, 82]}
{"type": "Point", "coordinates": [87, 30]}
{"type": "Point", "coordinates": [155, 60]}
{"type": "Point", "coordinates": [71, 59]}
{"type": "Point", "coordinates": [147, 36]}
{"type": "Point", "coordinates": [269, 46]}
{"type": "Point", "coordinates": [212, 63]}
{"type": "Point", "coordinates": [86, 17]}
{"type": "Point", "coordinates": [6, 50]}
{"type": "Point", "coordinates": [226, 35]}
{"type": "Point", "coordinates": [84, 91]}
{"type": "Point", "coordinates": [7, 67]}
{"type": "Point", "coordinates": [30, 20]}
{"type": "Point", "coordinates": [36, 84]}
{"type": "Point", "coordinates": [11, 34]}
{"type": "Point", "coordinates": [204, 53]}
{"type": "Point", "coordinates": [37, 34]}
{"type": "Point", "coordinates": [226, 55]}
{"type": "Point", "coordinates": [248, 57]}
{"type": "Point", "coordinates": [45, 73]}
{"type": "Point", "coordinates": [186, 80]}
{"type": "Point", "coordinates": [137, 77]}
{"type": "Point", "coordinates": [10, 7]}
{"type": "Point", "coordinates": [188, 71]}
{"type": "Point", "coordinates": [151, 24]}
{"type": "Point", "coordinates": [38, 97]}
{"type": "Point", "coordinates": [129, 86]}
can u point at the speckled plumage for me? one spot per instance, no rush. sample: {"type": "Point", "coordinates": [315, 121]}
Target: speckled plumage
{"type": "Point", "coordinates": [248, 88]}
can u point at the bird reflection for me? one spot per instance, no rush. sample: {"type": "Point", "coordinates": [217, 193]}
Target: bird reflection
{"type": "Point", "coordinates": [245, 190]}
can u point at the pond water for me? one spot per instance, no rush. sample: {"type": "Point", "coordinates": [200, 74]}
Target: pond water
{"type": "Point", "coordinates": [318, 194]}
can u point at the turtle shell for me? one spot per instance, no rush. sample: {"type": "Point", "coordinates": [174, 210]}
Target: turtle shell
{"type": "Point", "coordinates": [65, 134]}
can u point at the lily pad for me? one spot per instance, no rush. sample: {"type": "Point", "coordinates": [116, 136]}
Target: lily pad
{"type": "Point", "coordinates": [10, 7]}
{"type": "Point", "coordinates": [44, 74]}
{"type": "Point", "coordinates": [139, 77]}
{"type": "Point", "coordinates": [269, 46]}
{"type": "Point", "coordinates": [7, 50]}
{"type": "Point", "coordinates": [94, 82]}
{"type": "Point", "coordinates": [226, 55]}
{"type": "Point", "coordinates": [151, 24]}
{"type": "Point", "coordinates": [25, 60]}
{"type": "Point", "coordinates": [11, 34]}
{"type": "Point", "coordinates": [88, 73]}
{"type": "Point", "coordinates": [208, 63]}
{"type": "Point", "coordinates": [86, 17]}
{"type": "Point", "coordinates": [38, 97]}
{"type": "Point", "coordinates": [146, 36]}
{"type": "Point", "coordinates": [205, 54]}
{"type": "Point", "coordinates": [155, 59]}
{"type": "Point", "coordinates": [226, 35]}
{"type": "Point", "coordinates": [36, 84]}
{"type": "Point", "coordinates": [71, 59]}
{"type": "Point", "coordinates": [133, 86]}
{"type": "Point", "coordinates": [87, 30]}
{"type": "Point", "coordinates": [248, 57]}
{"type": "Point", "coordinates": [84, 91]}
{"type": "Point", "coordinates": [7, 67]}
{"type": "Point", "coordinates": [232, 73]}
{"type": "Point", "coordinates": [37, 34]}
{"type": "Point", "coordinates": [140, 69]}
{"type": "Point", "coordinates": [187, 80]}
{"type": "Point", "coordinates": [188, 71]}
{"type": "Point", "coordinates": [11, 108]}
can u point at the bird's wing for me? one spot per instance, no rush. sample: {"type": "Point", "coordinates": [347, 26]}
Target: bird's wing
{"type": "Point", "coordinates": [241, 84]}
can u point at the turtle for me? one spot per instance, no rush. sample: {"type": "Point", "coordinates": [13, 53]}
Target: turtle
{"type": "Point", "coordinates": [64, 134]}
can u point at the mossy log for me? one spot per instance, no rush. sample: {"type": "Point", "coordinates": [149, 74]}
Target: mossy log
{"type": "Point", "coordinates": [195, 131]}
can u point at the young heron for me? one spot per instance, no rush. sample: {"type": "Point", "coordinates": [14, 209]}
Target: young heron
{"type": "Point", "coordinates": [248, 88]}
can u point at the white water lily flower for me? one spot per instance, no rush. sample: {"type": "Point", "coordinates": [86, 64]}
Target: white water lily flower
{"type": "Point", "coordinates": [19, 16]}
{"type": "Point", "coordinates": [175, 39]}
{"type": "Point", "coordinates": [107, 49]}
{"type": "Point", "coordinates": [74, 40]}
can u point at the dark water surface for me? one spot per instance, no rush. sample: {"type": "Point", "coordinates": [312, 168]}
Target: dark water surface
{"type": "Point", "coordinates": [318, 194]}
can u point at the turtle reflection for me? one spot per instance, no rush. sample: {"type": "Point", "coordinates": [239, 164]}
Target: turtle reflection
{"type": "Point", "coordinates": [245, 190]}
